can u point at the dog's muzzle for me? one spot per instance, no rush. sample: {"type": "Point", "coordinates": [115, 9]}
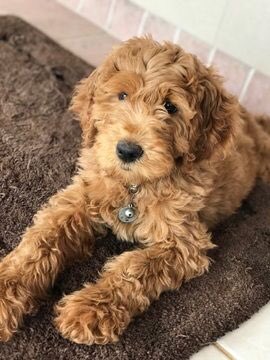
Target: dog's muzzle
{"type": "Point", "coordinates": [128, 151]}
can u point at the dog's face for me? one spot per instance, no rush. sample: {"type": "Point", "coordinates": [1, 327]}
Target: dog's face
{"type": "Point", "coordinates": [150, 108]}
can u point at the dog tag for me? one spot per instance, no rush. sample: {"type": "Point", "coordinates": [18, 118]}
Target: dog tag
{"type": "Point", "coordinates": [127, 214]}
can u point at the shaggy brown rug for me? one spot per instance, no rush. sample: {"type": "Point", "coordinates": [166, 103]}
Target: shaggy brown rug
{"type": "Point", "coordinates": [38, 149]}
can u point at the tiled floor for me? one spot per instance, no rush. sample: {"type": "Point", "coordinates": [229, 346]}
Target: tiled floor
{"type": "Point", "coordinates": [72, 31]}
{"type": "Point", "coordinates": [210, 352]}
{"type": "Point", "coordinates": [251, 340]}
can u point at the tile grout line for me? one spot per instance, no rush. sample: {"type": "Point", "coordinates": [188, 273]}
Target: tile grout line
{"type": "Point", "coordinates": [176, 35]}
{"type": "Point", "coordinates": [78, 8]}
{"type": "Point", "coordinates": [142, 23]}
{"type": "Point", "coordinates": [224, 351]}
{"type": "Point", "coordinates": [246, 84]}
{"type": "Point", "coordinates": [220, 22]}
{"type": "Point", "coordinates": [211, 56]}
{"type": "Point", "coordinates": [214, 48]}
{"type": "Point", "coordinates": [108, 21]}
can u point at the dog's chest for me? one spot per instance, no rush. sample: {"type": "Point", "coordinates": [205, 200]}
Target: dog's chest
{"type": "Point", "coordinates": [115, 214]}
{"type": "Point", "coordinates": [157, 215]}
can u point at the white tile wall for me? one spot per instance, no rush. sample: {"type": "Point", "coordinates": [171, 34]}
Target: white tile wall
{"type": "Point", "coordinates": [199, 17]}
{"type": "Point", "coordinates": [240, 28]}
{"type": "Point", "coordinates": [245, 32]}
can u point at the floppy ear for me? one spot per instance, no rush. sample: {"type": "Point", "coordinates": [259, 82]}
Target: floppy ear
{"type": "Point", "coordinates": [81, 105]}
{"type": "Point", "coordinates": [215, 115]}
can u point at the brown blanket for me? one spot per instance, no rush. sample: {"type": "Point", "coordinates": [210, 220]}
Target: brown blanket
{"type": "Point", "coordinates": [38, 149]}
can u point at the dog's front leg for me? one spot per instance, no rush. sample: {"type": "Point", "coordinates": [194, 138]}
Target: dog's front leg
{"type": "Point", "coordinates": [61, 232]}
{"type": "Point", "coordinates": [100, 312]}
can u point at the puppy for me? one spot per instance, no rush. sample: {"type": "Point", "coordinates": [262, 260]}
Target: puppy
{"type": "Point", "coordinates": [166, 153]}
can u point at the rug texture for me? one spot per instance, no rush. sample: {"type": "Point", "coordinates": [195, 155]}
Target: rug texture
{"type": "Point", "coordinates": [38, 148]}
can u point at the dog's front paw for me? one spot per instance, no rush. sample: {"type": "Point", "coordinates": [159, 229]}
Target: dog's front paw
{"type": "Point", "coordinates": [90, 317]}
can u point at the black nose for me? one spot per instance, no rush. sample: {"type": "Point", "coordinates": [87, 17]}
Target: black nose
{"type": "Point", "coordinates": [128, 151]}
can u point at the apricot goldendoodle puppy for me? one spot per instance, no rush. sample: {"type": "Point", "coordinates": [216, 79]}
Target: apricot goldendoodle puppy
{"type": "Point", "coordinates": [167, 153]}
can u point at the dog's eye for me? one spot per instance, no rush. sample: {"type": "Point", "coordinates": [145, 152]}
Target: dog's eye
{"type": "Point", "coordinates": [122, 96]}
{"type": "Point", "coordinates": [172, 109]}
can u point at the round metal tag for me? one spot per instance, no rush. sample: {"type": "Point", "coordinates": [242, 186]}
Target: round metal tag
{"type": "Point", "coordinates": [127, 214]}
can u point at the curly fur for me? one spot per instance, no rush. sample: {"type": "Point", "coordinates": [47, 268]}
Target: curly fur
{"type": "Point", "coordinates": [198, 165]}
